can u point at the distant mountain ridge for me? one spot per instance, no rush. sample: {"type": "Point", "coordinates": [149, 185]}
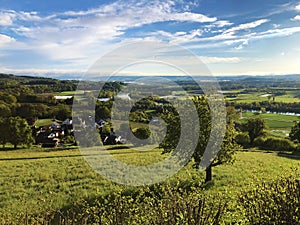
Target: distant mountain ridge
{"type": "Point", "coordinates": [245, 78]}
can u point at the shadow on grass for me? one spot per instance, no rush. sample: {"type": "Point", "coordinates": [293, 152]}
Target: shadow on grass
{"type": "Point", "coordinates": [289, 155]}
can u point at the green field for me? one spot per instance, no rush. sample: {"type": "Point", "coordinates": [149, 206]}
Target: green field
{"type": "Point", "coordinates": [44, 122]}
{"type": "Point", "coordinates": [289, 97]}
{"type": "Point", "coordinates": [40, 181]}
{"type": "Point", "coordinates": [278, 124]}
{"type": "Point", "coordinates": [66, 93]}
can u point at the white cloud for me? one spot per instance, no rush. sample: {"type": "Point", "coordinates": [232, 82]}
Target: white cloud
{"type": "Point", "coordinates": [79, 35]}
{"type": "Point", "coordinates": [246, 26]}
{"type": "Point", "coordinates": [4, 39]}
{"type": "Point", "coordinates": [6, 18]}
{"type": "Point", "coordinates": [222, 23]}
{"type": "Point", "coordinates": [297, 7]}
{"type": "Point", "coordinates": [278, 32]}
{"type": "Point", "coordinates": [210, 60]}
{"type": "Point", "coordinates": [275, 25]}
{"type": "Point", "coordinates": [242, 45]}
{"type": "Point", "coordinates": [192, 17]}
{"type": "Point", "coordinates": [179, 37]}
{"type": "Point", "coordinates": [296, 18]}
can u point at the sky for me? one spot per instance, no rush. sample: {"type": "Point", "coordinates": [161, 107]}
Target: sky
{"type": "Point", "coordinates": [231, 37]}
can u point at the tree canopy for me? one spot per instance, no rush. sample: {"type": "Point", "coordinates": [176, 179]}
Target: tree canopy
{"type": "Point", "coordinates": [228, 147]}
{"type": "Point", "coordinates": [16, 131]}
{"type": "Point", "coordinates": [295, 132]}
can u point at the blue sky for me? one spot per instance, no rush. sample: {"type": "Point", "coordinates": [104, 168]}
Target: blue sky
{"type": "Point", "coordinates": [231, 37]}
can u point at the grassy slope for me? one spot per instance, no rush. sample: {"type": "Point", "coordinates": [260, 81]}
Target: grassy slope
{"type": "Point", "coordinates": [37, 181]}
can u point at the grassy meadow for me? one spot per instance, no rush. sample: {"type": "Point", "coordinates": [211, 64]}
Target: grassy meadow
{"type": "Point", "coordinates": [278, 124]}
{"type": "Point", "coordinates": [39, 181]}
{"type": "Point", "coordinates": [257, 96]}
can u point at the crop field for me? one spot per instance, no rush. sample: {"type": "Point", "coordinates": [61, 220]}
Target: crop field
{"type": "Point", "coordinates": [37, 181]}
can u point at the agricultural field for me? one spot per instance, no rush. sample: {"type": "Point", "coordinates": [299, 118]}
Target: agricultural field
{"type": "Point", "coordinates": [278, 124]}
{"type": "Point", "coordinates": [256, 96]}
{"type": "Point", "coordinates": [45, 180]}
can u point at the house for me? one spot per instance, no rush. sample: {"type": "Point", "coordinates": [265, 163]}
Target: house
{"type": "Point", "coordinates": [55, 125]}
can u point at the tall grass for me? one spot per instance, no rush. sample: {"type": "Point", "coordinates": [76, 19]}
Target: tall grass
{"type": "Point", "coordinates": [38, 184]}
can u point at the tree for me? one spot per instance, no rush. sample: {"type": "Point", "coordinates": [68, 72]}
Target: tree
{"type": "Point", "coordinates": [4, 134]}
{"type": "Point", "coordinates": [295, 132]}
{"type": "Point", "coordinates": [62, 112]}
{"type": "Point", "coordinates": [4, 110]}
{"type": "Point", "coordinates": [19, 131]}
{"type": "Point", "coordinates": [142, 133]}
{"type": "Point", "coordinates": [255, 127]}
{"type": "Point", "coordinates": [228, 147]}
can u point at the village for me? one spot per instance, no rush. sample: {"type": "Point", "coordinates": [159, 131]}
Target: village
{"type": "Point", "coordinates": [62, 133]}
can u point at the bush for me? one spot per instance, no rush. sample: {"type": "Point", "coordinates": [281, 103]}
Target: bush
{"type": "Point", "coordinates": [277, 144]}
{"type": "Point", "coordinates": [273, 203]}
{"type": "Point", "coordinates": [259, 142]}
{"type": "Point", "coordinates": [243, 139]}
{"type": "Point", "coordinates": [159, 205]}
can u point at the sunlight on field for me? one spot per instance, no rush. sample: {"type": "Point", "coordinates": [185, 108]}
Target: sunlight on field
{"type": "Point", "coordinates": [38, 181]}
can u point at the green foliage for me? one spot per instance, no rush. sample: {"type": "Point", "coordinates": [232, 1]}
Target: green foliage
{"type": "Point", "coordinates": [61, 112]}
{"type": "Point", "coordinates": [4, 135]}
{"type": "Point", "coordinates": [172, 120]}
{"type": "Point", "coordinates": [295, 132]}
{"type": "Point", "coordinates": [228, 147]}
{"type": "Point", "coordinates": [273, 203]}
{"type": "Point", "coordinates": [255, 127]}
{"type": "Point", "coordinates": [46, 180]}
{"type": "Point", "coordinates": [154, 205]}
{"type": "Point", "coordinates": [243, 139]}
{"type": "Point", "coordinates": [16, 131]}
{"type": "Point", "coordinates": [142, 133]}
{"type": "Point", "coordinates": [276, 144]}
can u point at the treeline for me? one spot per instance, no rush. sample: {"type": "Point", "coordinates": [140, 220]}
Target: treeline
{"type": "Point", "coordinates": [262, 83]}
{"type": "Point", "coordinates": [282, 107]}
{"type": "Point", "coordinates": [33, 97]}
{"type": "Point", "coordinates": [25, 104]}
{"type": "Point", "coordinates": [11, 82]}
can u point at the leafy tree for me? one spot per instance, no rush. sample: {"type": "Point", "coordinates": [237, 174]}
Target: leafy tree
{"type": "Point", "coordinates": [4, 134]}
{"type": "Point", "coordinates": [62, 112]}
{"type": "Point", "coordinates": [228, 147]}
{"type": "Point", "coordinates": [255, 127]}
{"type": "Point", "coordinates": [4, 110]}
{"type": "Point", "coordinates": [142, 132]}
{"type": "Point", "coordinates": [295, 132]}
{"type": "Point", "coordinates": [19, 131]}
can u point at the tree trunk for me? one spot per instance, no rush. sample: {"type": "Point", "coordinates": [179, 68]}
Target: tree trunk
{"type": "Point", "coordinates": [208, 173]}
{"type": "Point", "coordinates": [15, 146]}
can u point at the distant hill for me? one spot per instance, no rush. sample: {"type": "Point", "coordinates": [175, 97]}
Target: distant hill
{"type": "Point", "coordinates": [52, 84]}
{"type": "Point", "coordinates": [39, 84]}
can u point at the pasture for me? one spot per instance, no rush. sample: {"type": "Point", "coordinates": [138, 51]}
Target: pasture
{"type": "Point", "coordinates": [278, 124]}
{"type": "Point", "coordinates": [257, 96]}
{"type": "Point", "coordinates": [39, 181]}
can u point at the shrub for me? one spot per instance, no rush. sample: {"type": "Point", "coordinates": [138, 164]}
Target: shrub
{"type": "Point", "coordinates": [159, 205]}
{"type": "Point", "coordinates": [273, 203]}
{"type": "Point", "coordinates": [259, 142]}
{"type": "Point", "coordinates": [277, 144]}
{"type": "Point", "coordinates": [243, 139]}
